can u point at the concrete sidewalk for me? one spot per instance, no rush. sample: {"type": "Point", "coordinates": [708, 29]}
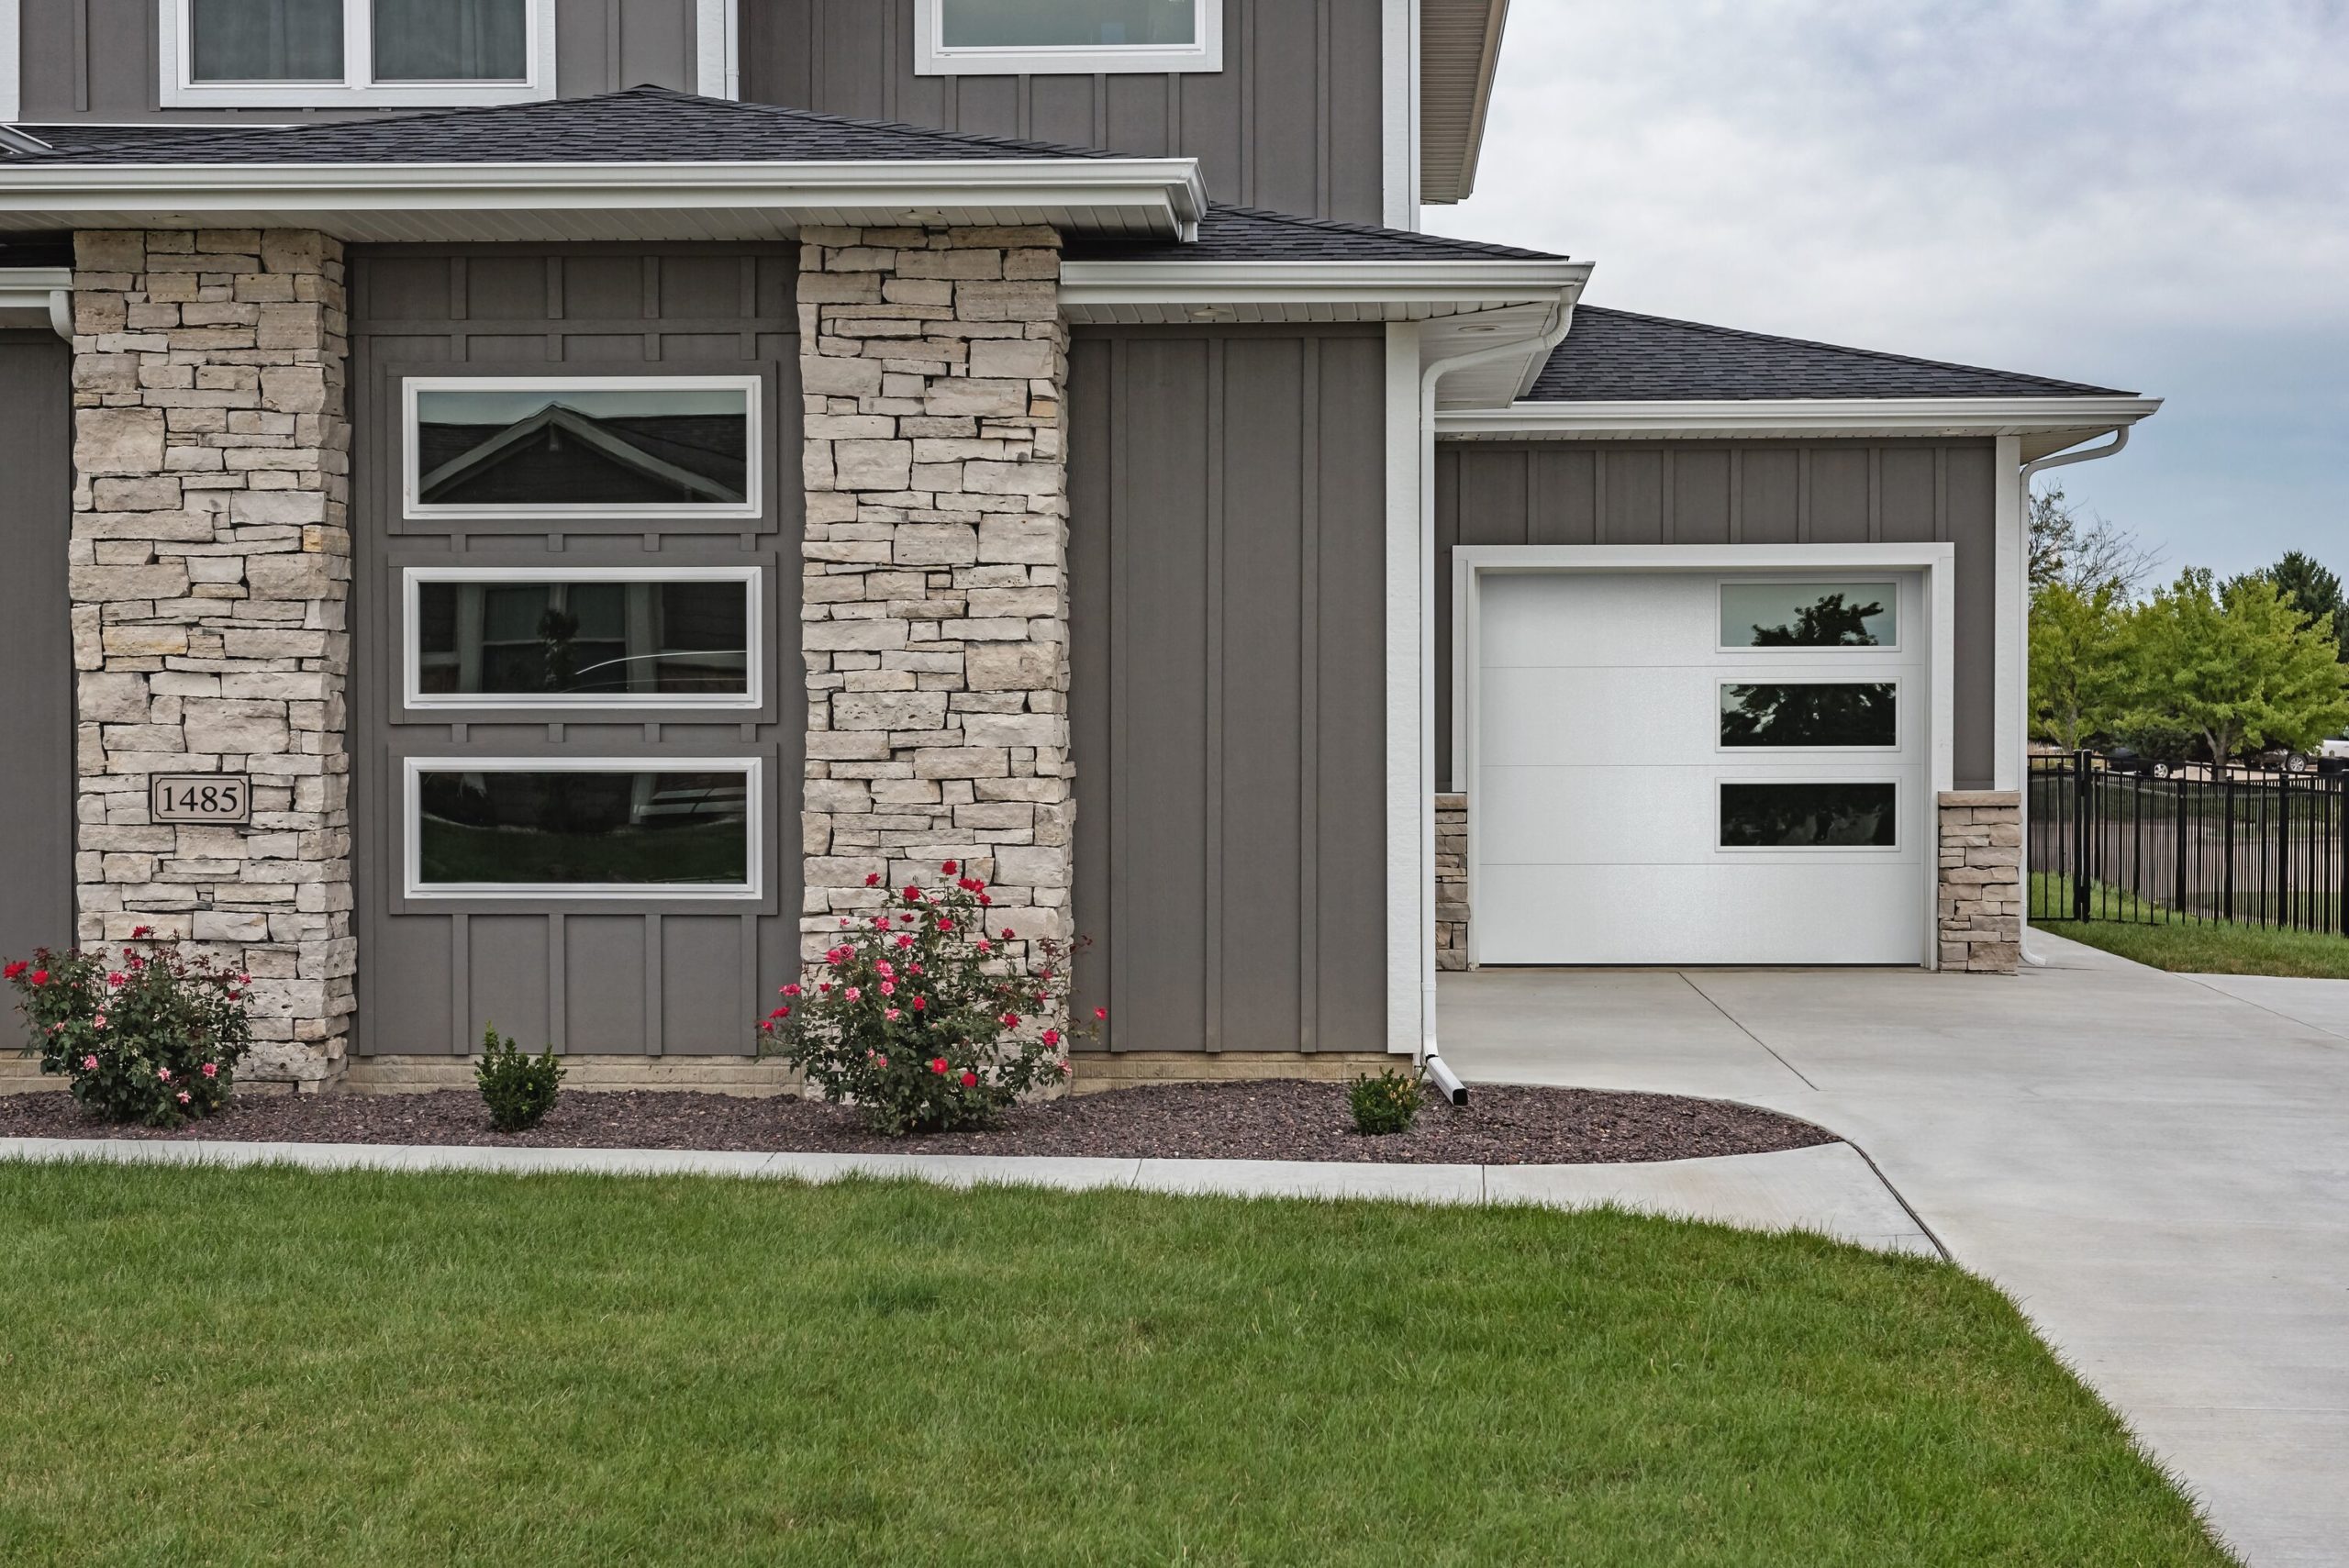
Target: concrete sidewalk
{"type": "Point", "coordinates": [1827, 1188]}
{"type": "Point", "coordinates": [2156, 1166]}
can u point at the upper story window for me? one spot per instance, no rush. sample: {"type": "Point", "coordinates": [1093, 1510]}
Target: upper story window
{"type": "Point", "coordinates": [320, 53]}
{"type": "Point", "coordinates": [1005, 38]}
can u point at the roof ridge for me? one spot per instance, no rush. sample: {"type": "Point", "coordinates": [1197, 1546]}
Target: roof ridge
{"type": "Point", "coordinates": [170, 136]}
{"type": "Point", "coordinates": [1886, 355]}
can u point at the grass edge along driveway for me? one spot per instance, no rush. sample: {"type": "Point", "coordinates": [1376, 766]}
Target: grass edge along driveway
{"type": "Point", "coordinates": [2118, 925]}
{"type": "Point", "coordinates": [272, 1366]}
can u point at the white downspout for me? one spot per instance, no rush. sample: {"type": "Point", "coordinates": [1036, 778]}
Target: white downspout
{"type": "Point", "coordinates": [2030, 472]}
{"type": "Point", "coordinates": [1553, 332]}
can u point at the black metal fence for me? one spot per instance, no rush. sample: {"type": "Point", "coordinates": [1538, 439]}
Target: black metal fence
{"type": "Point", "coordinates": [2107, 841]}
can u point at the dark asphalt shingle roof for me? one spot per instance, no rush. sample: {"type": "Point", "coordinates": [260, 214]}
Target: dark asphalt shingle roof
{"type": "Point", "coordinates": [638, 125]}
{"type": "Point", "coordinates": [1614, 355]}
{"type": "Point", "coordinates": [1252, 233]}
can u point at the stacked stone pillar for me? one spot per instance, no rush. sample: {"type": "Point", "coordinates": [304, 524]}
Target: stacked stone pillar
{"type": "Point", "coordinates": [1452, 881]}
{"type": "Point", "coordinates": [1979, 899]}
{"type": "Point", "coordinates": [211, 560]}
{"type": "Point", "coordinates": [933, 362]}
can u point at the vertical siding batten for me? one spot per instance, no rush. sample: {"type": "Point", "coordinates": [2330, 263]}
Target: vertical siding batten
{"type": "Point", "coordinates": [1308, 706]}
{"type": "Point", "coordinates": [1212, 905]}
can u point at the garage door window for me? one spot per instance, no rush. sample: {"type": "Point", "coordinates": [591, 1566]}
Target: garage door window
{"type": "Point", "coordinates": [1776, 816]}
{"type": "Point", "coordinates": [1809, 615]}
{"type": "Point", "coordinates": [603, 827]}
{"type": "Point", "coordinates": [1811, 715]}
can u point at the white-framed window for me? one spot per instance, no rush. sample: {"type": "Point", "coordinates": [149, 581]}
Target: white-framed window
{"type": "Point", "coordinates": [586, 636]}
{"type": "Point", "coordinates": [1019, 38]}
{"type": "Point", "coordinates": [591, 827]}
{"type": "Point", "coordinates": [1811, 713]}
{"type": "Point", "coordinates": [325, 53]}
{"type": "Point", "coordinates": [1802, 613]}
{"type": "Point", "coordinates": [484, 447]}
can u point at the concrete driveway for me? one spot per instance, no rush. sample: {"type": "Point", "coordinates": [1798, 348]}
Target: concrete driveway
{"type": "Point", "coordinates": [2156, 1166]}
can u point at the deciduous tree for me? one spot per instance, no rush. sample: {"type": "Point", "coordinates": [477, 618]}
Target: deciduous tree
{"type": "Point", "coordinates": [2239, 666]}
{"type": "Point", "coordinates": [2083, 669]}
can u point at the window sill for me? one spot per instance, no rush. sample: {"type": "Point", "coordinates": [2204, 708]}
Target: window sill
{"type": "Point", "coordinates": [327, 96]}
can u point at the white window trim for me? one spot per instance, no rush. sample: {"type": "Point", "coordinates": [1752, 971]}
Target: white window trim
{"type": "Point", "coordinates": [12, 71]}
{"type": "Point", "coordinates": [1936, 562]}
{"type": "Point", "coordinates": [718, 48]}
{"type": "Point", "coordinates": [1795, 753]}
{"type": "Point", "coordinates": [1842, 651]}
{"type": "Point", "coordinates": [177, 58]}
{"type": "Point", "coordinates": [933, 58]}
{"type": "Point", "coordinates": [411, 484]}
{"type": "Point", "coordinates": [413, 695]}
{"type": "Point", "coordinates": [413, 770]}
{"type": "Point", "coordinates": [1901, 815]}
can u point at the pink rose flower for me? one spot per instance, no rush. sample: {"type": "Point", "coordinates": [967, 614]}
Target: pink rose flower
{"type": "Point", "coordinates": [89, 1064]}
{"type": "Point", "coordinates": [894, 1015]}
{"type": "Point", "coordinates": [854, 995]}
{"type": "Point", "coordinates": [889, 987]}
{"type": "Point", "coordinates": [184, 1096]}
{"type": "Point", "coordinates": [164, 1074]}
{"type": "Point", "coordinates": [792, 989]}
{"type": "Point", "coordinates": [212, 1069]}
{"type": "Point", "coordinates": [99, 1022]}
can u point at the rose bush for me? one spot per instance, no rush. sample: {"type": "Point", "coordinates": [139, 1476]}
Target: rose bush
{"type": "Point", "coordinates": [147, 1035]}
{"type": "Point", "coordinates": [921, 1019]}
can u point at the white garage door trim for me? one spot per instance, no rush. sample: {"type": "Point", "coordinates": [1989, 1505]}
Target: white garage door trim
{"type": "Point", "coordinates": [1936, 562]}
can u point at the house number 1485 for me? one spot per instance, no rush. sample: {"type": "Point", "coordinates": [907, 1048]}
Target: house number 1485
{"type": "Point", "coordinates": [200, 798]}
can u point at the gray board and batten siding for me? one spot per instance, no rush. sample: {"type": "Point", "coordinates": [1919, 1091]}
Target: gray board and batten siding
{"type": "Point", "coordinates": [1228, 701]}
{"type": "Point", "coordinates": [1292, 122]}
{"type": "Point", "coordinates": [1721, 492]}
{"type": "Point", "coordinates": [601, 977]}
{"type": "Point", "coordinates": [99, 60]}
{"type": "Point", "coordinates": [37, 783]}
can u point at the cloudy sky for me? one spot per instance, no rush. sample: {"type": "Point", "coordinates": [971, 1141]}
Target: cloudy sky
{"type": "Point", "coordinates": [2150, 195]}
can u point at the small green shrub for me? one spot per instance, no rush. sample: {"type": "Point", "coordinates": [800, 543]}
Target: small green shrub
{"type": "Point", "coordinates": [1385, 1104]}
{"type": "Point", "coordinates": [518, 1089]}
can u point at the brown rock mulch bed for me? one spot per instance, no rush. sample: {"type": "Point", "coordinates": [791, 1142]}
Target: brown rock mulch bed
{"type": "Point", "coordinates": [1501, 1125]}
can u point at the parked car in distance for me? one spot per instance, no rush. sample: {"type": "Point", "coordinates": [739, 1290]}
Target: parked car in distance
{"type": "Point", "coordinates": [2128, 760]}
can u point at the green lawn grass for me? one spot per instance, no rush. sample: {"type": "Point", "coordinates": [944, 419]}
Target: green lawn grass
{"type": "Point", "coordinates": [2189, 947]}
{"type": "Point", "coordinates": [215, 1367]}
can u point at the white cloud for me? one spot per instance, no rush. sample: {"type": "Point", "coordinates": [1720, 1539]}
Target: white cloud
{"type": "Point", "coordinates": [2149, 193]}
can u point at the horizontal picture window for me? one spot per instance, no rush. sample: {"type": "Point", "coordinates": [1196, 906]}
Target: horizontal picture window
{"type": "Point", "coordinates": [595, 638]}
{"type": "Point", "coordinates": [597, 828]}
{"type": "Point", "coordinates": [1772, 816]}
{"type": "Point", "coordinates": [354, 53]}
{"type": "Point", "coordinates": [605, 446]}
{"type": "Point", "coordinates": [1810, 714]}
{"type": "Point", "coordinates": [1810, 615]}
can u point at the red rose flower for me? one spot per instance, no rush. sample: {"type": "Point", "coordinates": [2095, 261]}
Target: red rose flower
{"type": "Point", "coordinates": [970, 1080]}
{"type": "Point", "coordinates": [873, 879]}
{"type": "Point", "coordinates": [1052, 1036]}
{"type": "Point", "coordinates": [1011, 1020]}
{"type": "Point", "coordinates": [1007, 933]}
{"type": "Point", "coordinates": [39, 977]}
{"type": "Point", "coordinates": [16, 969]}
{"type": "Point", "coordinates": [139, 931]}
{"type": "Point", "coordinates": [948, 868]}
{"type": "Point", "coordinates": [913, 893]}
{"type": "Point", "coordinates": [938, 1065]}
{"type": "Point", "coordinates": [1101, 1014]}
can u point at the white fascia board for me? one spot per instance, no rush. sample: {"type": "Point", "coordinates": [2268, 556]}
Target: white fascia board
{"type": "Point", "coordinates": [1802, 416]}
{"type": "Point", "coordinates": [1158, 195]}
{"type": "Point", "coordinates": [12, 69]}
{"type": "Point", "coordinates": [1472, 285]}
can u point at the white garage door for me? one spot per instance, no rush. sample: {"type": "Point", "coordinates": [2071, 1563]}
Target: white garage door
{"type": "Point", "coordinates": [1693, 768]}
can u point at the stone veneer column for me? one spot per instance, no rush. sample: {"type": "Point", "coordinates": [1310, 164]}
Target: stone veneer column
{"type": "Point", "coordinates": [211, 558]}
{"type": "Point", "coordinates": [936, 556]}
{"type": "Point", "coordinates": [1980, 897]}
{"type": "Point", "coordinates": [1452, 881]}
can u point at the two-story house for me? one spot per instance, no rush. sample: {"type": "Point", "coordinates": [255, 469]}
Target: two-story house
{"type": "Point", "coordinates": [517, 508]}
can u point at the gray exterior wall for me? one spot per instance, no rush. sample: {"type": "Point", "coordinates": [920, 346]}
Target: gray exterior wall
{"type": "Point", "coordinates": [1735, 493]}
{"type": "Point", "coordinates": [678, 978]}
{"type": "Point", "coordinates": [1292, 122]}
{"type": "Point", "coordinates": [98, 59]}
{"type": "Point", "coordinates": [1226, 494]}
{"type": "Point", "coordinates": [36, 647]}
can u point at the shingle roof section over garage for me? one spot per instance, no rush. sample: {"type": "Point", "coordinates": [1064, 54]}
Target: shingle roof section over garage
{"type": "Point", "coordinates": [1614, 356]}
{"type": "Point", "coordinates": [1252, 233]}
{"type": "Point", "coordinates": [643, 125]}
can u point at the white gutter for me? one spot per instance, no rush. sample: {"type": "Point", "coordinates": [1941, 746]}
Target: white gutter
{"type": "Point", "coordinates": [43, 294]}
{"type": "Point", "coordinates": [1159, 197]}
{"type": "Point", "coordinates": [1553, 332]}
{"type": "Point", "coordinates": [1469, 285]}
{"type": "Point", "coordinates": [1801, 415]}
{"type": "Point", "coordinates": [2028, 473]}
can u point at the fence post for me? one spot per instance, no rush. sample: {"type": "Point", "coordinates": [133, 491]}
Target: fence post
{"type": "Point", "coordinates": [2226, 844]}
{"type": "Point", "coordinates": [2284, 849]}
{"type": "Point", "coordinates": [2177, 908]}
{"type": "Point", "coordinates": [2081, 800]}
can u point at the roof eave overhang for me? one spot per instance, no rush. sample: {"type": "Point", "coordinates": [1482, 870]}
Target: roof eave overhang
{"type": "Point", "coordinates": [1145, 291]}
{"type": "Point", "coordinates": [1159, 197]}
{"type": "Point", "coordinates": [2046, 424]}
